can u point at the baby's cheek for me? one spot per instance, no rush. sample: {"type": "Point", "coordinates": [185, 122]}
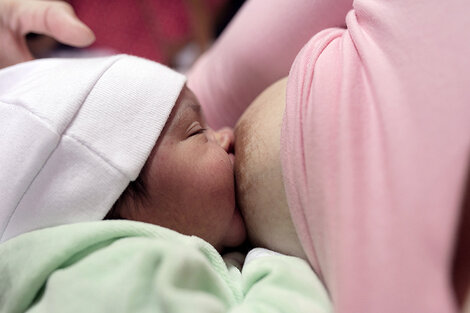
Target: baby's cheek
{"type": "Point", "coordinates": [222, 168]}
{"type": "Point", "coordinates": [219, 181]}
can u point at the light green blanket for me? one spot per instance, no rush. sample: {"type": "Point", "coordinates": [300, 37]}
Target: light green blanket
{"type": "Point", "coordinates": [123, 266]}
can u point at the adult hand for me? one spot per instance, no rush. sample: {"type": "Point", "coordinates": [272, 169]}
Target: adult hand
{"type": "Point", "coordinates": [52, 18]}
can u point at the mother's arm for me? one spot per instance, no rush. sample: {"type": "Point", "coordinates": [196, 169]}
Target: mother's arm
{"type": "Point", "coordinates": [257, 49]}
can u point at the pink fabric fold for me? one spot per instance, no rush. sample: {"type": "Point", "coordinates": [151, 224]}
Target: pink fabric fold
{"type": "Point", "coordinates": [375, 149]}
{"type": "Point", "coordinates": [257, 49]}
{"type": "Point", "coordinates": [375, 141]}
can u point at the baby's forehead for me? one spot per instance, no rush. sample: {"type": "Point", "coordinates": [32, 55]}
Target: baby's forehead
{"type": "Point", "coordinates": [186, 106]}
{"type": "Point", "coordinates": [185, 110]}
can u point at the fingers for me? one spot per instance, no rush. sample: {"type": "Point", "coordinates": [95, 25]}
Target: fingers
{"type": "Point", "coordinates": [14, 49]}
{"type": "Point", "coordinates": [53, 18]}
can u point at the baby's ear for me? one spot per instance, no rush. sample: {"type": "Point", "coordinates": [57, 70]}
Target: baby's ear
{"type": "Point", "coordinates": [133, 198]}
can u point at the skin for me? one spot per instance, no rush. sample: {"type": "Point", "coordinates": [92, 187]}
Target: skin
{"type": "Point", "coordinates": [260, 189]}
{"type": "Point", "coordinates": [52, 18]}
{"type": "Point", "coordinates": [189, 180]}
{"type": "Point", "coordinates": [261, 196]}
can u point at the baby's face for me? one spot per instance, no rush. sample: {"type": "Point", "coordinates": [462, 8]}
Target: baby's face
{"type": "Point", "coordinates": [189, 179]}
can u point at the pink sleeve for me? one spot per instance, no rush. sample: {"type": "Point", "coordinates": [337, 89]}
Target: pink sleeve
{"type": "Point", "coordinates": [375, 150]}
{"type": "Point", "coordinates": [257, 49]}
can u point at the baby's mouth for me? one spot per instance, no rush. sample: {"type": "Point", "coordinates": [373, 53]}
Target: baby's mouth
{"type": "Point", "coordinates": [231, 156]}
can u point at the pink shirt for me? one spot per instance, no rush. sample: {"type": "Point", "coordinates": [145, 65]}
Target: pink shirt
{"type": "Point", "coordinates": [375, 143]}
{"type": "Point", "coordinates": [256, 49]}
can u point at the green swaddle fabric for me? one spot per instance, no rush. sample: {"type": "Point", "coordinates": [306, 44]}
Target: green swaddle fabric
{"type": "Point", "coordinates": [125, 266]}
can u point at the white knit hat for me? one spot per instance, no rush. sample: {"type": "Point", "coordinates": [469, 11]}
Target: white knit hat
{"type": "Point", "coordinates": [73, 133]}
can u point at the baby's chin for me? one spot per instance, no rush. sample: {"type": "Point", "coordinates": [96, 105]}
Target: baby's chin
{"type": "Point", "coordinates": [236, 233]}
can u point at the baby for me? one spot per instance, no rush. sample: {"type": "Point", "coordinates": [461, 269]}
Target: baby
{"type": "Point", "coordinates": [374, 146]}
{"type": "Point", "coordinates": [76, 132]}
{"type": "Point", "coordinates": [187, 183]}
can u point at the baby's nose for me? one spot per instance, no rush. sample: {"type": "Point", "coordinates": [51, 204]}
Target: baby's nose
{"type": "Point", "coordinates": [225, 138]}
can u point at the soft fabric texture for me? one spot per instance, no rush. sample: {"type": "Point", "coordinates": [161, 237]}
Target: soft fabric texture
{"type": "Point", "coordinates": [256, 49]}
{"type": "Point", "coordinates": [375, 140]}
{"type": "Point", "coordinates": [125, 266]}
{"type": "Point", "coordinates": [74, 133]}
{"type": "Point", "coordinates": [375, 149]}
